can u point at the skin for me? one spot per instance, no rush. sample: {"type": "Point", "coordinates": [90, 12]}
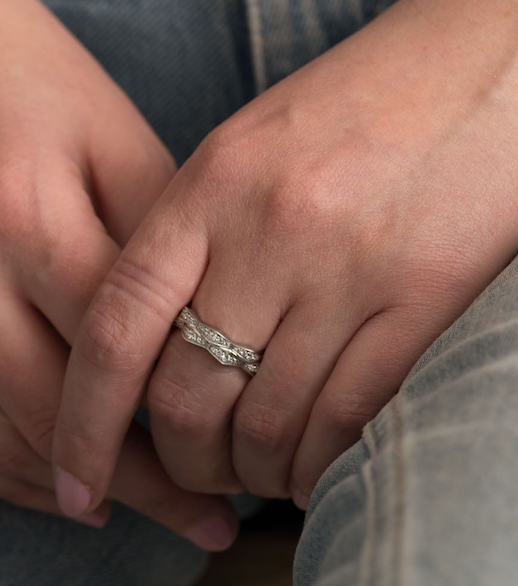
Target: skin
{"type": "Point", "coordinates": [79, 169]}
{"type": "Point", "coordinates": [342, 220]}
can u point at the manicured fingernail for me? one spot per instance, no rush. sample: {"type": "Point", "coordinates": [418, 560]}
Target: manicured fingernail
{"type": "Point", "coordinates": [73, 497]}
{"type": "Point", "coordinates": [299, 499]}
{"type": "Point", "coordinates": [94, 519]}
{"type": "Point", "coordinates": [213, 534]}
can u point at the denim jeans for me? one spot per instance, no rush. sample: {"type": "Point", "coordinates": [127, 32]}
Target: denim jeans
{"type": "Point", "coordinates": [429, 496]}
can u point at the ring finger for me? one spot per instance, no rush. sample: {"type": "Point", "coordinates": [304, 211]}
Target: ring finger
{"type": "Point", "coordinates": [191, 395]}
{"type": "Point", "coordinates": [271, 414]}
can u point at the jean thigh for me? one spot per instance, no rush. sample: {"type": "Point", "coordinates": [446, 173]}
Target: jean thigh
{"type": "Point", "coordinates": [37, 549]}
{"type": "Point", "coordinates": [287, 34]}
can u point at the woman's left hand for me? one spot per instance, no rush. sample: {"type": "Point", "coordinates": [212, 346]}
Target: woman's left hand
{"type": "Point", "coordinates": [342, 221]}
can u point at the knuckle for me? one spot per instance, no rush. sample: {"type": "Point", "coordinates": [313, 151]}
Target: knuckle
{"type": "Point", "coordinates": [14, 454]}
{"type": "Point", "coordinates": [306, 478]}
{"type": "Point", "coordinates": [106, 336]}
{"type": "Point", "coordinates": [213, 155]}
{"type": "Point", "coordinates": [157, 506]}
{"type": "Point", "coordinates": [135, 286]}
{"type": "Point", "coordinates": [221, 158]}
{"type": "Point", "coordinates": [12, 461]}
{"type": "Point", "coordinates": [228, 137]}
{"type": "Point", "coordinates": [220, 138]}
{"type": "Point", "coordinates": [262, 427]}
{"type": "Point", "coordinates": [28, 234]}
{"type": "Point", "coordinates": [18, 218]}
{"type": "Point", "coordinates": [152, 168]}
{"type": "Point", "coordinates": [350, 411]}
{"type": "Point", "coordinates": [15, 180]}
{"type": "Point", "coordinates": [217, 481]}
{"type": "Point", "coordinates": [287, 371]}
{"type": "Point", "coordinates": [14, 492]}
{"type": "Point", "coordinates": [88, 450]}
{"type": "Point", "coordinates": [182, 409]}
{"type": "Point", "coordinates": [38, 429]}
{"type": "Point", "coordinates": [295, 201]}
{"type": "Point", "coordinates": [112, 334]}
{"type": "Point", "coordinates": [10, 492]}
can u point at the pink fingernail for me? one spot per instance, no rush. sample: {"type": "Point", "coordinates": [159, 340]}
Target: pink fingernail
{"type": "Point", "coordinates": [213, 534]}
{"type": "Point", "coordinates": [73, 497]}
{"type": "Point", "coordinates": [299, 499]}
{"type": "Point", "coordinates": [94, 519]}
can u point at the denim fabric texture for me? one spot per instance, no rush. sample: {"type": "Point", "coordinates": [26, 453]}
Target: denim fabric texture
{"type": "Point", "coordinates": [287, 34]}
{"type": "Point", "coordinates": [429, 496]}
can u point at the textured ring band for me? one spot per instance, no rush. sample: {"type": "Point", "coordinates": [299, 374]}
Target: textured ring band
{"type": "Point", "coordinates": [220, 347]}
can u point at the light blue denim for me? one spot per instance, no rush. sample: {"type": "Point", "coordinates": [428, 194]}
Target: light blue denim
{"type": "Point", "coordinates": [429, 496]}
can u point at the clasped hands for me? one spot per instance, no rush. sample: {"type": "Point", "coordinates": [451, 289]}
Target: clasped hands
{"type": "Point", "coordinates": [341, 221]}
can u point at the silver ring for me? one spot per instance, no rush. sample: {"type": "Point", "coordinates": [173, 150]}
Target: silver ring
{"type": "Point", "coordinates": [221, 348]}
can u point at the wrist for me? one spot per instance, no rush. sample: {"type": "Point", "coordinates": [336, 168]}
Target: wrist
{"type": "Point", "coordinates": [423, 65]}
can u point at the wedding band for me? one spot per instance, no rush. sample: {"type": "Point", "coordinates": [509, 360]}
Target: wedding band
{"type": "Point", "coordinates": [221, 348]}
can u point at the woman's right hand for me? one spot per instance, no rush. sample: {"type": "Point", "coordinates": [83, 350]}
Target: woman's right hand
{"type": "Point", "coordinates": [79, 169]}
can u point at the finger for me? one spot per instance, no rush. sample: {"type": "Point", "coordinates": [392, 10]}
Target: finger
{"type": "Point", "coordinates": [129, 167]}
{"type": "Point", "coordinates": [62, 265]}
{"type": "Point", "coordinates": [271, 414]}
{"type": "Point", "coordinates": [32, 365]}
{"type": "Point", "coordinates": [141, 482]}
{"type": "Point", "coordinates": [367, 375]}
{"type": "Point", "coordinates": [61, 278]}
{"type": "Point", "coordinates": [29, 496]}
{"type": "Point", "coordinates": [18, 460]}
{"type": "Point", "coordinates": [26, 478]}
{"type": "Point", "coordinates": [123, 163]}
{"type": "Point", "coordinates": [121, 337]}
{"type": "Point", "coordinates": [190, 413]}
{"type": "Point", "coordinates": [191, 396]}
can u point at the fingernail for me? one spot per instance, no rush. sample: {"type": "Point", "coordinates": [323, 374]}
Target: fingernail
{"type": "Point", "coordinates": [73, 497]}
{"type": "Point", "coordinates": [94, 519]}
{"type": "Point", "coordinates": [299, 499]}
{"type": "Point", "coordinates": [212, 534]}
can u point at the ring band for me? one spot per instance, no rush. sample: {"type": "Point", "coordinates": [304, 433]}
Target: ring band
{"type": "Point", "coordinates": [221, 348]}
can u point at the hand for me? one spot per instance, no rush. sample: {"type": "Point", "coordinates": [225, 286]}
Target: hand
{"type": "Point", "coordinates": [139, 481]}
{"type": "Point", "coordinates": [79, 168]}
{"type": "Point", "coordinates": [342, 221]}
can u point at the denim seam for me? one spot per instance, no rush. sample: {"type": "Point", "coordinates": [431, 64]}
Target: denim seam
{"type": "Point", "coordinates": [398, 497]}
{"type": "Point", "coordinates": [371, 508]}
{"type": "Point", "coordinates": [257, 44]}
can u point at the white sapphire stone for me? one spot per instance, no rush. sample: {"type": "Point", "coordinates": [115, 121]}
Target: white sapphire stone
{"type": "Point", "coordinates": [221, 348]}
